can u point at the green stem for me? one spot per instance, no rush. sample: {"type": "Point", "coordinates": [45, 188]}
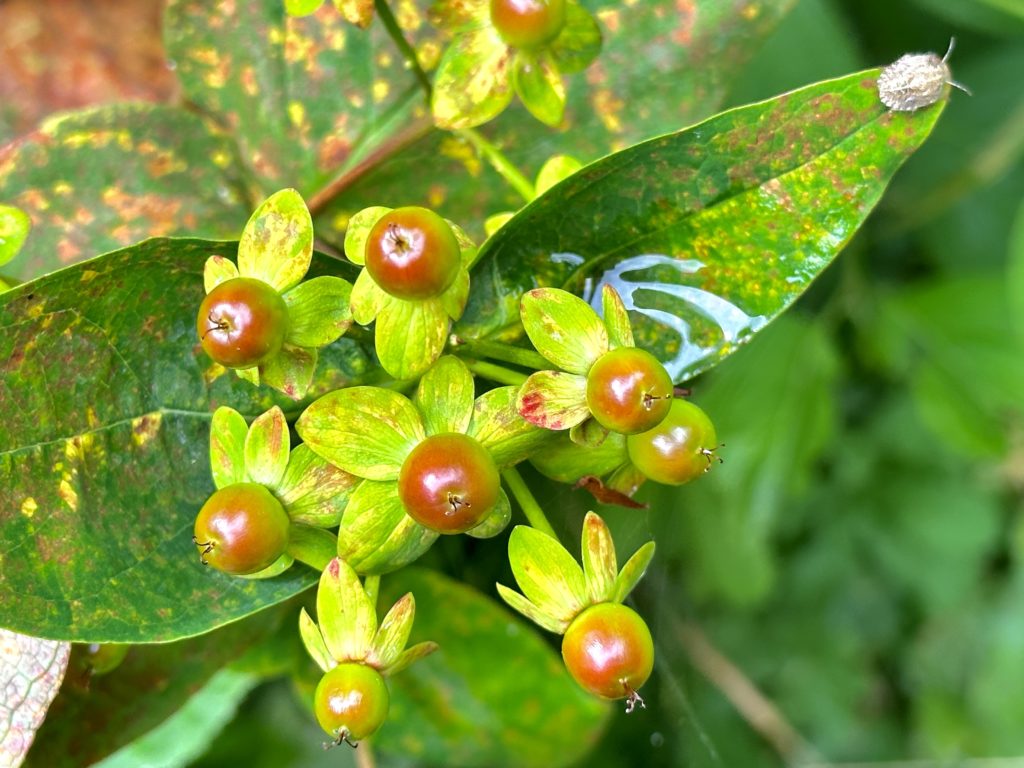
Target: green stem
{"type": "Point", "coordinates": [496, 373]}
{"type": "Point", "coordinates": [497, 350]}
{"type": "Point", "coordinates": [364, 755]}
{"type": "Point", "coordinates": [412, 63]}
{"type": "Point", "coordinates": [371, 584]}
{"type": "Point", "coordinates": [500, 163]}
{"type": "Point", "coordinates": [313, 546]}
{"type": "Point", "coordinates": [527, 502]}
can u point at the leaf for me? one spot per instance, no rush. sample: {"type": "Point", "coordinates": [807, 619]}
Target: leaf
{"type": "Point", "coordinates": [314, 643]}
{"type": "Point", "coordinates": [277, 242]}
{"type": "Point", "coordinates": [519, 603]}
{"type": "Point", "coordinates": [555, 170]}
{"type": "Point", "coordinates": [444, 396]}
{"type": "Point", "coordinates": [546, 573]}
{"type": "Point", "coordinates": [599, 564]}
{"type": "Point", "coordinates": [218, 270]}
{"type": "Point", "coordinates": [104, 178]}
{"type": "Point", "coordinates": [580, 41]}
{"type": "Point", "coordinates": [452, 708]}
{"type": "Point", "coordinates": [267, 447]}
{"type": "Point", "coordinates": [347, 619]}
{"type": "Point", "coordinates": [553, 400]}
{"type": "Point", "coordinates": [318, 311]}
{"type": "Point", "coordinates": [707, 249]}
{"type": "Point", "coordinates": [14, 228]}
{"type": "Point", "coordinates": [31, 670]}
{"type": "Point", "coordinates": [410, 336]}
{"type": "Point", "coordinates": [616, 319]}
{"type": "Point", "coordinates": [563, 328]}
{"type": "Point", "coordinates": [367, 299]}
{"type": "Point", "coordinates": [411, 655]}
{"type": "Point", "coordinates": [632, 572]}
{"type": "Point", "coordinates": [104, 452]}
{"type": "Point", "coordinates": [366, 431]}
{"type": "Point", "coordinates": [358, 231]}
{"type": "Point", "coordinates": [376, 535]}
{"type": "Point", "coordinates": [314, 491]}
{"type": "Point", "coordinates": [393, 633]}
{"type": "Point", "coordinates": [472, 83]}
{"type": "Point", "coordinates": [538, 83]}
{"type": "Point", "coordinates": [228, 432]}
{"type": "Point", "coordinates": [507, 436]}
{"type": "Point", "coordinates": [290, 371]}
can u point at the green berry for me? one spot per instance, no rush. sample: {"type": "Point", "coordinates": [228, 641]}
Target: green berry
{"type": "Point", "coordinates": [413, 254]}
{"type": "Point", "coordinates": [629, 390]}
{"type": "Point", "coordinates": [677, 450]}
{"type": "Point", "coordinates": [242, 322]}
{"type": "Point", "coordinates": [351, 702]}
{"type": "Point", "coordinates": [241, 529]}
{"type": "Point", "coordinates": [528, 23]}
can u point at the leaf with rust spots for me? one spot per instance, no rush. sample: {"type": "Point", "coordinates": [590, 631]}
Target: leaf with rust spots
{"type": "Point", "coordinates": [31, 670]}
{"type": "Point", "coordinates": [546, 573]}
{"type": "Point", "coordinates": [507, 436]}
{"type": "Point", "coordinates": [105, 450]}
{"type": "Point", "coordinates": [553, 400]}
{"type": "Point", "coordinates": [708, 233]}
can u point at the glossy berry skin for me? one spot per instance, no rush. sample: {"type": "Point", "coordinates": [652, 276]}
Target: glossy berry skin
{"type": "Point", "coordinates": [608, 650]}
{"type": "Point", "coordinates": [241, 529]}
{"type": "Point", "coordinates": [678, 449]}
{"type": "Point", "coordinates": [242, 322]}
{"type": "Point", "coordinates": [528, 23]}
{"type": "Point", "coordinates": [628, 390]}
{"type": "Point", "coordinates": [412, 253]}
{"type": "Point", "coordinates": [351, 701]}
{"type": "Point", "coordinates": [449, 483]}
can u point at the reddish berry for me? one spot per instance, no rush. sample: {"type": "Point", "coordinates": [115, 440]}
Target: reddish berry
{"type": "Point", "coordinates": [528, 23]}
{"type": "Point", "coordinates": [241, 529]}
{"type": "Point", "coordinates": [629, 390]}
{"type": "Point", "coordinates": [412, 253]}
{"type": "Point", "coordinates": [608, 650]}
{"type": "Point", "coordinates": [351, 702]}
{"type": "Point", "coordinates": [449, 483]}
{"type": "Point", "coordinates": [677, 450]}
{"type": "Point", "coordinates": [242, 322]}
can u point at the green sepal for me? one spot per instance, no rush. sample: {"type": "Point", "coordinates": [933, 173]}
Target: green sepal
{"type": "Point", "coordinates": [626, 479]}
{"type": "Point", "coordinates": [564, 461]}
{"type": "Point", "coordinates": [600, 568]}
{"type": "Point", "coordinates": [493, 223]}
{"type": "Point", "coordinates": [367, 431]}
{"type": "Point", "coordinates": [393, 633]}
{"type": "Point", "coordinates": [616, 318]}
{"type": "Point", "coordinates": [276, 568]}
{"type": "Point", "coordinates": [358, 231]}
{"type": "Point", "coordinates": [444, 396]}
{"type": "Point", "coordinates": [498, 426]}
{"type": "Point", "coordinates": [318, 311]}
{"type": "Point", "coordinates": [15, 225]}
{"type": "Point", "coordinates": [467, 246]}
{"type": "Point", "coordinates": [557, 168]}
{"type": "Point", "coordinates": [290, 371]}
{"type": "Point", "coordinates": [367, 299]}
{"type": "Point", "coordinates": [376, 535]}
{"type": "Point", "coordinates": [228, 431]}
{"type": "Point", "coordinates": [358, 12]}
{"type": "Point", "coordinates": [553, 400]}
{"type": "Point", "coordinates": [277, 242]}
{"type": "Point", "coordinates": [539, 85]}
{"type": "Point", "coordinates": [410, 656]}
{"type": "Point", "coordinates": [632, 572]}
{"type": "Point", "coordinates": [563, 328]}
{"type": "Point", "coordinates": [217, 270]}
{"type": "Point", "coordinates": [455, 297]}
{"type": "Point", "coordinates": [588, 434]}
{"type": "Point", "coordinates": [532, 612]}
{"type": "Point", "coordinates": [472, 81]}
{"type": "Point", "coordinates": [546, 573]}
{"type": "Point", "coordinates": [314, 491]}
{"type": "Point", "coordinates": [314, 642]}
{"type": "Point", "coordinates": [251, 375]}
{"type": "Point", "coordinates": [347, 619]}
{"type": "Point", "coordinates": [267, 447]}
{"type": "Point", "coordinates": [302, 8]}
{"type": "Point", "coordinates": [410, 336]}
{"type": "Point", "coordinates": [495, 522]}
{"type": "Point", "coordinates": [313, 546]}
{"type": "Point", "coordinates": [580, 41]}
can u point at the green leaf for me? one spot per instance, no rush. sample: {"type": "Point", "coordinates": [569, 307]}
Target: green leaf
{"type": "Point", "coordinates": [104, 178]}
{"type": "Point", "coordinates": [519, 603]}
{"type": "Point", "coordinates": [563, 328]}
{"type": "Point", "coordinates": [277, 242]}
{"type": "Point", "coordinates": [410, 335]}
{"type": "Point", "coordinates": [632, 572]}
{"type": "Point", "coordinates": [599, 564]}
{"type": "Point", "coordinates": [14, 228]}
{"type": "Point", "coordinates": [538, 83]}
{"type": "Point", "coordinates": [318, 311]}
{"type": "Point", "coordinates": [393, 633]}
{"type": "Point", "coordinates": [556, 169]}
{"type": "Point", "coordinates": [444, 396]}
{"type": "Point", "coordinates": [580, 41]}
{"type": "Point", "coordinates": [314, 491]}
{"type": "Point", "coordinates": [376, 535]}
{"type": "Point", "coordinates": [267, 447]}
{"type": "Point", "coordinates": [553, 400]}
{"type": "Point", "coordinates": [546, 573]}
{"type": "Point", "coordinates": [472, 83]}
{"type": "Point", "coordinates": [228, 432]}
{"type": "Point", "coordinates": [366, 431]}
{"type": "Point", "coordinates": [452, 708]}
{"type": "Point", "coordinates": [218, 270]}
{"type": "Point", "coordinates": [497, 424]}
{"type": "Point", "coordinates": [345, 615]}
{"type": "Point", "coordinates": [707, 249]}
{"type": "Point", "coordinates": [314, 643]}
{"type": "Point", "coordinates": [358, 230]}
{"type": "Point", "coordinates": [31, 670]}
{"type": "Point", "coordinates": [616, 319]}
{"type": "Point", "coordinates": [496, 521]}
{"type": "Point", "coordinates": [302, 7]}
{"type": "Point", "coordinates": [104, 453]}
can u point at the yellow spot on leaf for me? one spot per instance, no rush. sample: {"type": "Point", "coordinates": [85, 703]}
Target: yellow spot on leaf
{"type": "Point", "coordinates": [62, 188]}
{"type": "Point", "coordinates": [380, 90]}
{"type": "Point", "coordinates": [146, 427]}
{"type": "Point", "coordinates": [88, 275]}
{"type": "Point", "coordinates": [297, 113]}
{"type": "Point", "coordinates": [68, 494]}
{"type": "Point", "coordinates": [29, 507]}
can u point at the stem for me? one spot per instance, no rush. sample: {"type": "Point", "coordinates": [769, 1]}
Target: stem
{"type": "Point", "coordinates": [496, 373]}
{"type": "Point", "coordinates": [412, 62]}
{"type": "Point", "coordinates": [364, 755]}
{"type": "Point", "coordinates": [534, 514]}
{"type": "Point", "coordinates": [500, 163]}
{"type": "Point", "coordinates": [507, 353]}
{"type": "Point", "coordinates": [371, 584]}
